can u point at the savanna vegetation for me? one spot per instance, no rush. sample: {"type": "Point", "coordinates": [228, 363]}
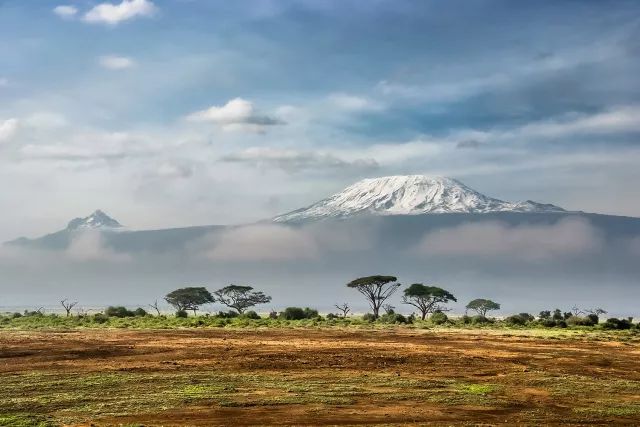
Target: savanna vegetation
{"type": "Point", "coordinates": [428, 305]}
{"type": "Point", "coordinates": [415, 363]}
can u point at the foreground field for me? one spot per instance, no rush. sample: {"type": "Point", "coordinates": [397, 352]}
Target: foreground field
{"type": "Point", "coordinates": [316, 376]}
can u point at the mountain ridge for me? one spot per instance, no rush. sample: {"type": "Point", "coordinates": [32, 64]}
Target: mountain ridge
{"type": "Point", "coordinates": [409, 195]}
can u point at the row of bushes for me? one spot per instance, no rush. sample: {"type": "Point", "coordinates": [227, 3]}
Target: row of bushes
{"type": "Point", "coordinates": [390, 317]}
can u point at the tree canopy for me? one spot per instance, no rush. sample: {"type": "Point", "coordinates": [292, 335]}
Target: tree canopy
{"type": "Point", "coordinates": [190, 298]}
{"type": "Point", "coordinates": [481, 306]}
{"type": "Point", "coordinates": [240, 297]}
{"type": "Point", "coordinates": [427, 299]}
{"type": "Point", "coordinates": [376, 289]}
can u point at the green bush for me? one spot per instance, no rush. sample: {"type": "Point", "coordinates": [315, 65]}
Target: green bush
{"type": "Point", "coordinates": [548, 323]}
{"type": "Point", "coordinates": [580, 321]}
{"type": "Point", "coordinates": [310, 313]}
{"type": "Point", "coordinates": [118, 311]}
{"type": "Point", "coordinates": [250, 315]}
{"type": "Point", "coordinates": [297, 313]}
{"type": "Point", "coordinates": [227, 314]}
{"type": "Point", "coordinates": [392, 318]}
{"type": "Point", "coordinates": [438, 318]}
{"type": "Point", "coordinates": [100, 318]}
{"type": "Point", "coordinates": [594, 318]}
{"type": "Point", "coordinates": [140, 312]}
{"type": "Point", "coordinates": [369, 317]}
{"type": "Point", "coordinates": [520, 319]}
{"type": "Point", "coordinates": [332, 316]}
{"type": "Point", "coordinates": [480, 320]}
{"type": "Point", "coordinates": [293, 313]}
{"type": "Point", "coordinates": [614, 323]}
{"type": "Point", "coordinates": [181, 314]}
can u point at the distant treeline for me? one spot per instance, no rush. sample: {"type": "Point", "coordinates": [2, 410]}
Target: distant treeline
{"type": "Point", "coordinates": [429, 303]}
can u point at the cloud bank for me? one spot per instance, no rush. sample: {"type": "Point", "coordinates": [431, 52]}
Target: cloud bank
{"type": "Point", "coordinates": [569, 237]}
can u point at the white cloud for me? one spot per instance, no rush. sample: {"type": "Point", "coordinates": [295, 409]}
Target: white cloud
{"type": "Point", "coordinates": [619, 119]}
{"type": "Point", "coordinates": [353, 103]}
{"type": "Point", "coordinates": [4, 82]}
{"type": "Point", "coordinates": [65, 11]}
{"type": "Point", "coordinates": [113, 14]}
{"type": "Point", "coordinates": [236, 114]}
{"type": "Point", "coordinates": [296, 160]}
{"type": "Point", "coordinates": [8, 129]}
{"type": "Point", "coordinates": [89, 246]}
{"type": "Point", "coordinates": [568, 237]}
{"type": "Point", "coordinates": [45, 120]}
{"type": "Point", "coordinates": [264, 243]}
{"type": "Point", "coordinates": [114, 62]}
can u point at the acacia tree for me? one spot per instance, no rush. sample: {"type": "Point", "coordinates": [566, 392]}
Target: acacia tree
{"type": "Point", "coordinates": [240, 297]}
{"type": "Point", "coordinates": [481, 306]}
{"type": "Point", "coordinates": [344, 308]}
{"type": "Point", "coordinates": [189, 298]}
{"type": "Point", "coordinates": [68, 305]}
{"type": "Point", "coordinates": [155, 307]}
{"type": "Point", "coordinates": [376, 289]}
{"type": "Point", "coordinates": [427, 299]}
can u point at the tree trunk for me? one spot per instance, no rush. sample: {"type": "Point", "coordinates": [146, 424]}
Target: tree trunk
{"type": "Point", "coordinates": [424, 315]}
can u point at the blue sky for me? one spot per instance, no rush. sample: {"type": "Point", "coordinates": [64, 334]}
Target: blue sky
{"type": "Point", "coordinates": [180, 112]}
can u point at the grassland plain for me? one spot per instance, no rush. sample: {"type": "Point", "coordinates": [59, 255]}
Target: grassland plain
{"type": "Point", "coordinates": [302, 374]}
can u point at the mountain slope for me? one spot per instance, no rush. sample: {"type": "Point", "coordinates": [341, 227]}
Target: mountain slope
{"type": "Point", "coordinates": [409, 195]}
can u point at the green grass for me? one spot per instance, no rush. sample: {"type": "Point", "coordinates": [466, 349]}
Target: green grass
{"type": "Point", "coordinates": [25, 420]}
{"type": "Point", "coordinates": [77, 397]}
{"type": "Point", "coordinates": [53, 321]}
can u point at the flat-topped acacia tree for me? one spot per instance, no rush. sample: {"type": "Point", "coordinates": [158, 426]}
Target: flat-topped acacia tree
{"type": "Point", "coordinates": [427, 299]}
{"type": "Point", "coordinates": [481, 306]}
{"type": "Point", "coordinates": [240, 297]}
{"type": "Point", "coordinates": [190, 298]}
{"type": "Point", "coordinates": [376, 289]}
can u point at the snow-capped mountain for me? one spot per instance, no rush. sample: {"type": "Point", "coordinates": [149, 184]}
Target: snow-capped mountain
{"type": "Point", "coordinates": [409, 195]}
{"type": "Point", "coordinates": [97, 220]}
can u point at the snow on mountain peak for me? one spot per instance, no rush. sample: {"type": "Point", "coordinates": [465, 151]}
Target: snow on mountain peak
{"type": "Point", "coordinates": [97, 220]}
{"type": "Point", "coordinates": [409, 195]}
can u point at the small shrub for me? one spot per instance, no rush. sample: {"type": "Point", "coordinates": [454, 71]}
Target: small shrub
{"type": "Point", "coordinates": [516, 320]}
{"type": "Point", "coordinates": [579, 321]}
{"type": "Point", "coordinates": [438, 318]}
{"type": "Point", "coordinates": [100, 318]}
{"type": "Point", "coordinates": [614, 323]}
{"type": "Point", "coordinates": [16, 315]}
{"type": "Point", "coordinates": [392, 318]}
{"type": "Point", "coordinates": [118, 311]}
{"type": "Point", "coordinates": [273, 315]}
{"type": "Point", "coordinates": [561, 324]}
{"type": "Point", "coordinates": [465, 319]}
{"type": "Point", "coordinates": [250, 315]}
{"type": "Point", "coordinates": [227, 314]}
{"type": "Point", "coordinates": [332, 316]}
{"type": "Point", "coordinates": [594, 318]}
{"type": "Point", "coordinates": [480, 320]}
{"type": "Point", "coordinates": [293, 313]}
{"type": "Point", "coordinates": [181, 314]}
{"type": "Point", "coordinates": [140, 312]}
{"type": "Point", "coordinates": [548, 323]}
{"type": "Point", "coordinates": [527, 317]}
{"type": "Point", "coordinates": [310, 313]}
{"type": "Point", "coordinates": [369, 317]}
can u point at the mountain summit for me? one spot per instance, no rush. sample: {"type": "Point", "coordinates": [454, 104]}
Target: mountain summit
{"type": "Point", "coordinates": [97, 220]}
{"type": "Point", "coordinates": [409, 195]}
